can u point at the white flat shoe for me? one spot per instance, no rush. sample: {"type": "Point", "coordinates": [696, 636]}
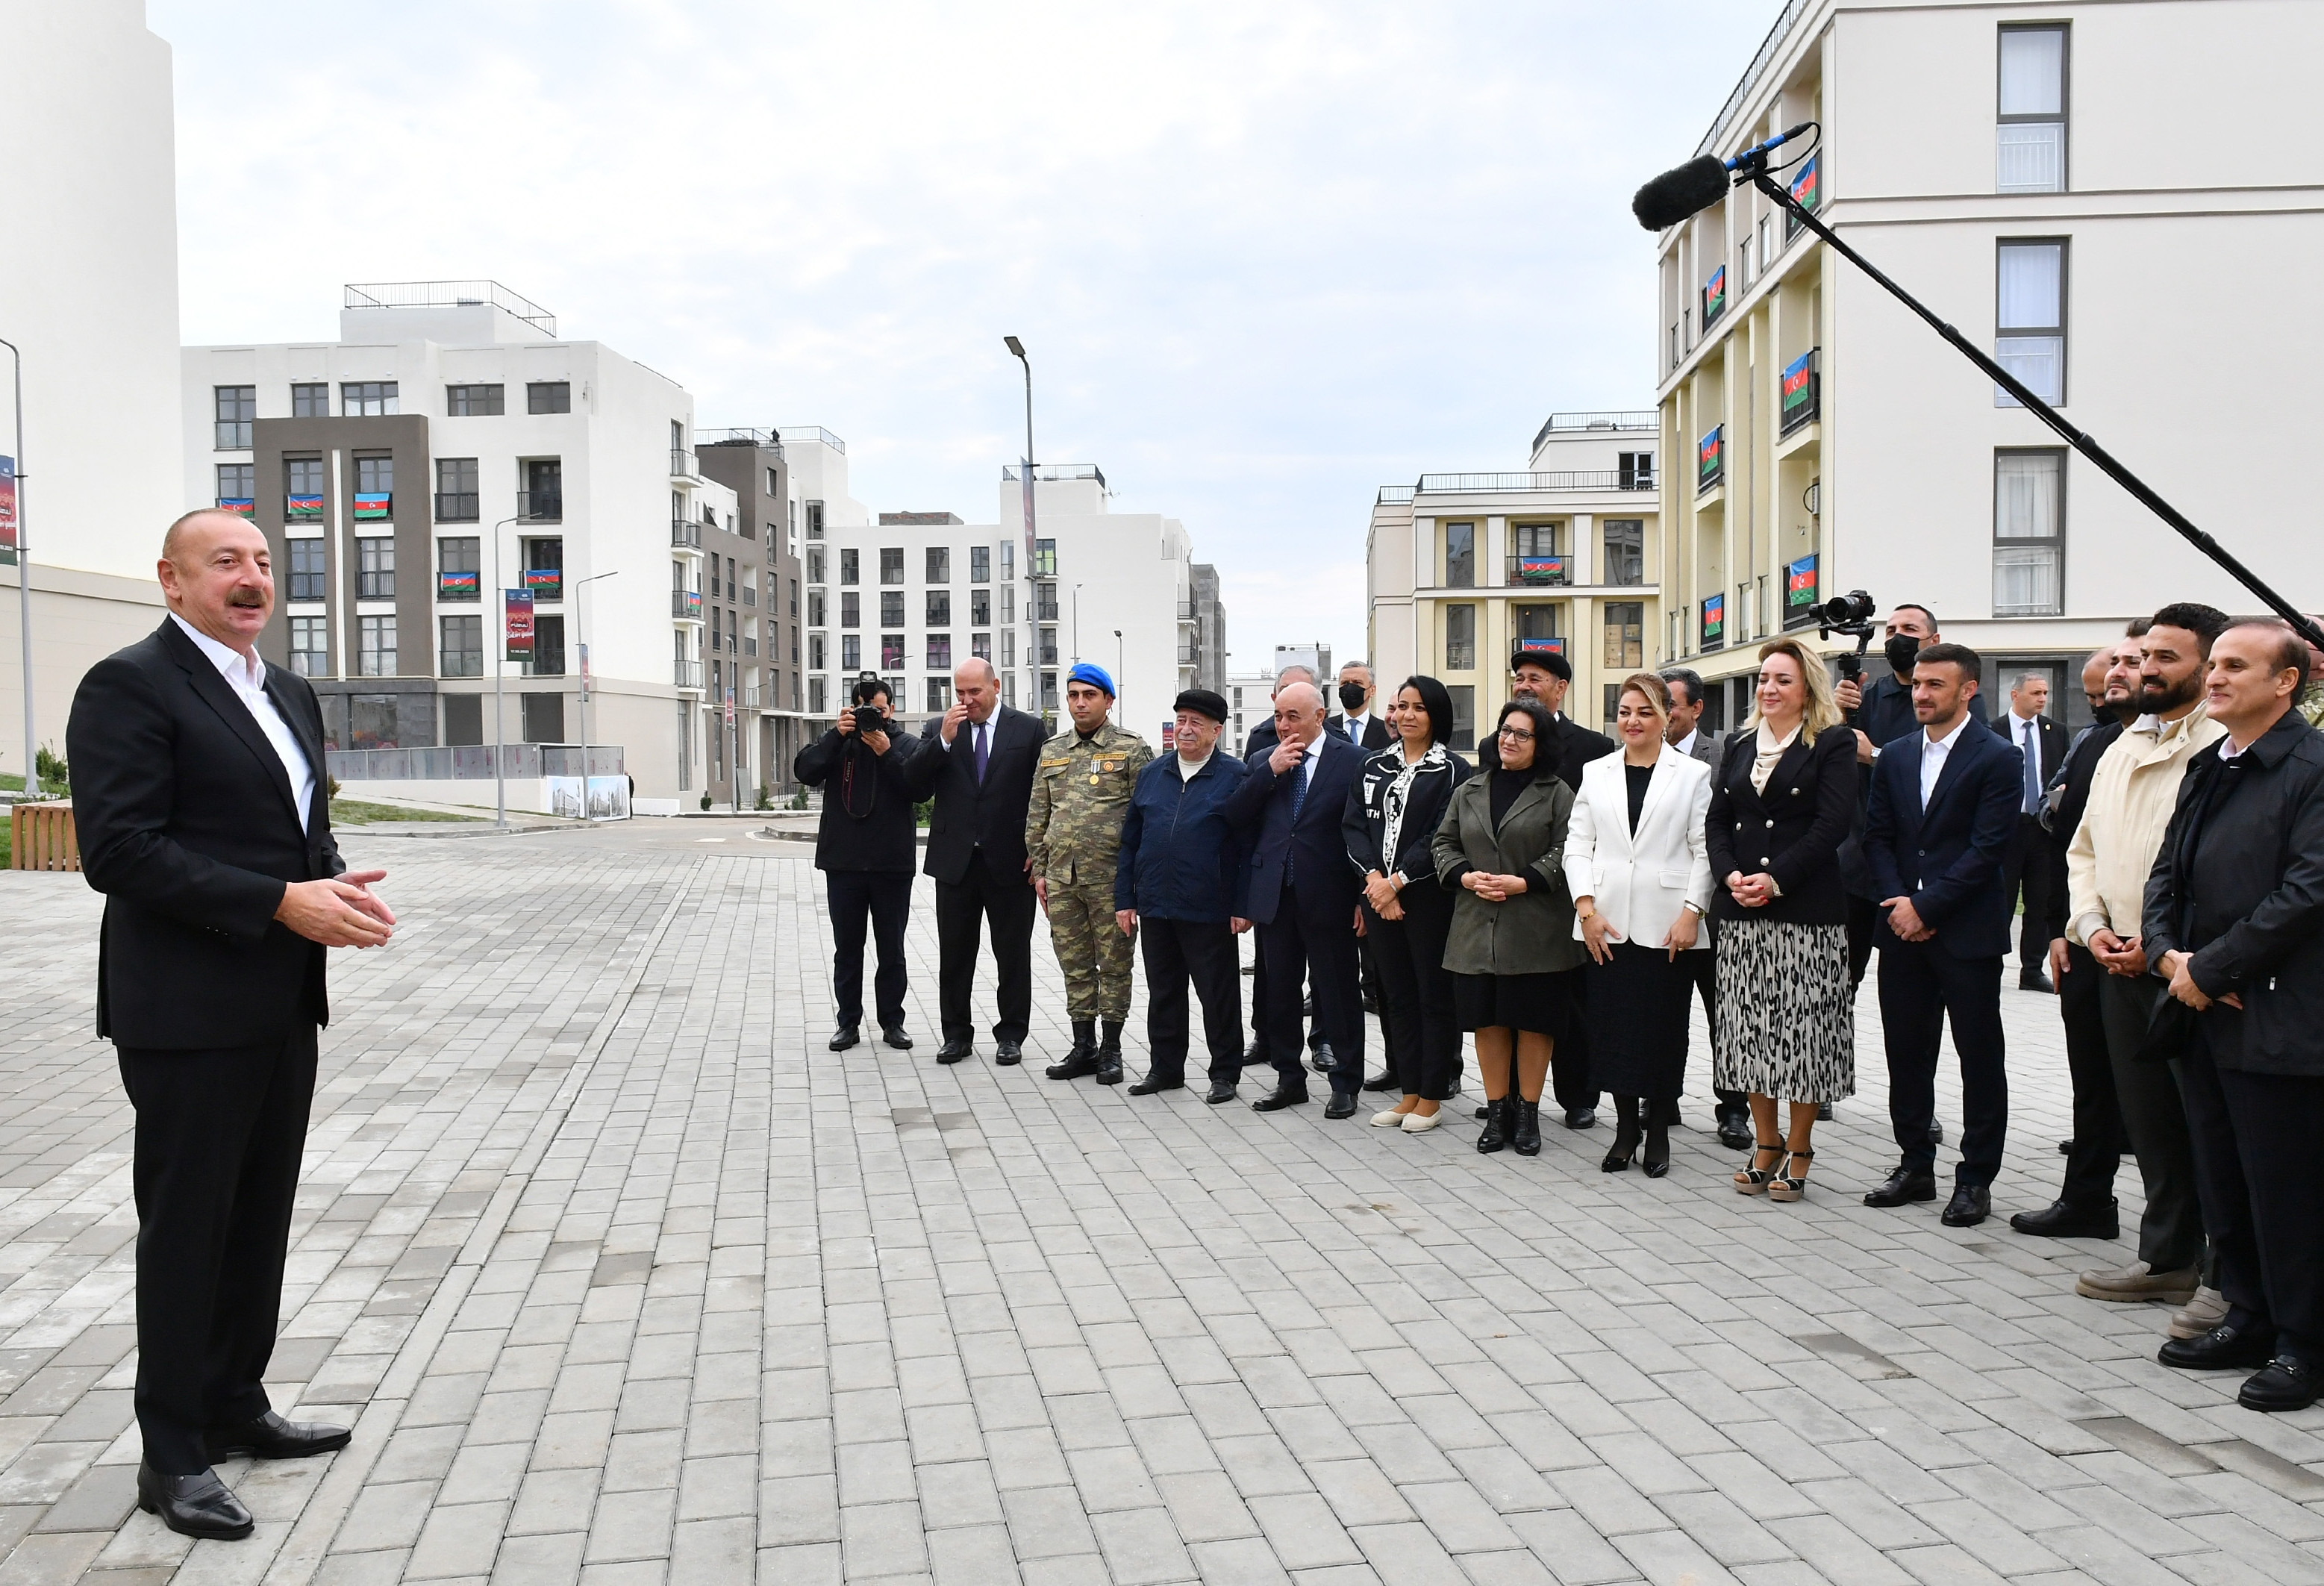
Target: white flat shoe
{"type": "Point", "coordinates": [1388, 1119]}
{"type": "Point", "coordinates": [1415, 1123]}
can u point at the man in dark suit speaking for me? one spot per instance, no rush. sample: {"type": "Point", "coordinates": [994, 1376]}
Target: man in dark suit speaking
{"type": "Point", "coordinates": [200, 798]}
{"type": "Point", "coordinates": [977, 760]}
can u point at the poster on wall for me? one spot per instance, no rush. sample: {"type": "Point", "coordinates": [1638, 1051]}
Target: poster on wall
{"type": "Point", "coordinates": [8, 511]}
{"type": "Point", "coordinates": [609, 797]}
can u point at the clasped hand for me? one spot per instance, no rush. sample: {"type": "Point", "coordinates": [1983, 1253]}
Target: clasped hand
{"type": "Point", "coordinates": [2183, 986]}
{"type": "Point", "coordinates": [1493, 888]}
{"type": "Point", "coordinates": [1753, 891]}
{"type": "Point", "coordinates": [338, 911]}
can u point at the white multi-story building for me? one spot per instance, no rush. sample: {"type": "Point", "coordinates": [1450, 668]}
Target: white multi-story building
{"type": "Point", "coordinates": [90, 299]}
{"type": "Point", "coordinates": [450, 446]}
{"type": "Point", "coordinates": [912, 595]}
{"type": "Point", "coordinates": [1251, 700]}
{"type": "Point", "coordinates": [1999, 162]}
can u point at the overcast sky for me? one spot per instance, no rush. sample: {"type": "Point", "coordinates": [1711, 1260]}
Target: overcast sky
{"type": "Point", "coordinates": [1266, 257]}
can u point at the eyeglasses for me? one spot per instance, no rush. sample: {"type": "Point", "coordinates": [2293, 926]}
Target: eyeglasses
{"type": "Point", "coordinates": [1515, 736]}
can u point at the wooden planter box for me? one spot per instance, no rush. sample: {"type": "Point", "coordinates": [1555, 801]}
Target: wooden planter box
{"type": "Point", "coordinates": [43, 837]}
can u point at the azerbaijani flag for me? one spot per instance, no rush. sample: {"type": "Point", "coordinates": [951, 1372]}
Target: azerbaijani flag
{"type": "Point", "coordinates": [303, 506]}
{"type": "Point", "coordinates": [1536, 569]}
{"type": "Point", "coordinates": [1714, 294]}
{"type": "Point", "coordinates": [1800, 581]}
{"type": "Point", "coordinates": [1714, 618]}
{"type": "Point", "coordinates": [1708, 455]}
{"type": "Point", "coordinates": [1804, 189]}
{"type": "Point", "coordinates": [241, 506]}
{"type": "Point", "coordinates": [1798, 377]}
{"type": "Point", "coordinates": [546, 583]}
{"type": "Point", "coordinates": [456, 586]}
{"type": "Point", "coordinates": [1542, 646]}
{"type": "Point", "coordinates": [694, 608]}
{"type": "Point", "coordinates": [373, 504]}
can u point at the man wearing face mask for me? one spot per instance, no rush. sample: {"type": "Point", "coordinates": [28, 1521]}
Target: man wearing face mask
{"type": "Point", "coordinates": [1359, 723]}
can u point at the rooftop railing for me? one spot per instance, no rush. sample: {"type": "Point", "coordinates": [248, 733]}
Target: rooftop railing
{"type": "Point", "coordinates": [1494, 484]}
{"type": "Point", "coordinates": [1751, 75]}
{"type": "Point", "coordinates": [1581, 423]}
{"type": "Point", "coordinates": [739, 435]}
{"type": "Point", "coordinates": [807, 434]}
{"type": "Point", "coordinates": [1051, 473]}
{"type": "Point", "coordinates": [448, 294]}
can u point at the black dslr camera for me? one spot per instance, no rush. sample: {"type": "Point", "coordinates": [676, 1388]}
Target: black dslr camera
{"type": "Point", "coordinates": [1850, 615]}
{"type": "Point", "coordinates": [871, 717]}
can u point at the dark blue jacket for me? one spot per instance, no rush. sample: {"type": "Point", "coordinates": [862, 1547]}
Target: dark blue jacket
{"type": "Point", "coordinates": [1261, 810]}
{"type": "Point", "coordinates": [1180, 857]}
{"type": "Point", "coordinates": [1885, 716]}
{"type": "Point", "coordinates": [1948, 858]}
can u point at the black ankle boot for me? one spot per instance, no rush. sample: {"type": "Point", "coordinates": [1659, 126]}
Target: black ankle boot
{"type": "Point", "coordinates": [1496, 1122]}
{"type": "Point", "coordinates": [1526, 1138]}
{"type": "Point", "coordinates": [1082, 1059]}
{"type": "Point", "coordinates": [1657, 1160]}
{"type": "Point", "coordinates": [1109, 1055]}
{"type": "Point", "coordinates": [1625, 1135]}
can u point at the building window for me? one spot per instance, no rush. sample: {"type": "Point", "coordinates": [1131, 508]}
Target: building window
{"type": "Point", "coordinates": [1534, 556]}
{"type": "Point", "coordinates": [1460, 556]}
{"type": "Point", "coordinates": [307, 570]}
{"type": "Point", "coordinates": [374, 488]}
{"type": "Point", "coordinates": [814, 520]}
{"type": "Point", "coordinates": [543, 499]}
{"type": "Point", "coordinates": [1536, 625]}
{"type": "Point", "coordinates": [456, 496]}
{"type": "Point", "coordinates": [367, 399]}
{"type": "Point", "coordinates": [1045, 558]}
{"type": "Point", "coordinates": [939, 652]}
{"type": "Point", "coordinates": [939, 695]}
{"type": "Point", "coordinates": [2030, 340]}
{"type": "Point", "coordinates": [851, 653]}
{"type": "Point", "coordinates": [2030, 142]}
{"type": "Point", "coordinates": [891, 564]}
{"type": "Point", "coordinates": [310, 655]}
{"type": "Point", "coordinates": [1008, 648]}
{"type": "Point", "coordinates": [1009, 603]}
{"type": "Point", "coordinates": [850, 609]}
{"type": "Point", "coordinates": [847, 567]}
{"type": "Point", "coordinates": [311, 401]}
{"type": "Point", "coordinates": [556, 396]}
{"type": "Point", "coordinates": [1626, 636]}
{"type": "Point", "coordinates": [461, 647]}
{"type": "Point", "coordinates": [238, 406]}
{"type": "Point", "coordinates": [939, 564]}
{"type": "Point", "coordinates": [548, 647]}
{"type": "Point", "coordinates": [815, 693]}
{"type": "Point", "coordinates": [1465, 715]}
{"type": "Point", "coordinates": [1635, 471]}
{"type": "Point", "coordinates": [375, 651]}
{"type": "Point", "coordinates": [891, 651]}
{"type": "Point", "coordinates": [980, 645]}
{"type": "Point", "coordinates": [473, 401]}
{"type": "Point", "coordinates": [980, 564]}
{"type": "Point", "coordinates": [375, 568]}
{"type": "Point", "coordinates": [1048, 640]}
{"type": "Point", "coordinates": [2029, 532]}
{"type": "Point", "coordinates": [815, 566]}
{"type": "Point", "coordinates": [980, 605]}
{"type": "Point", "coordinates": [1460, 639]}
{"type": "Point", "coordinates": [457, 556]}
{"type": "Point", "coordinates": [1045, 603]}
{"type": "Point", "coordinates": [302, 490]}
{"type": "Point", "coordinates": [939, 606]}
{"type": "Point", "coordinates": [814, 652]}
{"type": "Point", "coordinates": [238, 483]}
{"type": "Point", "coordinates": [1049, 691]}
{"type": "Point", "coordinates": [1625, 551]}
{"type": "Point", "coordinates": [891, 610]}
{"type": "Point", "coordinates": [814, 613]}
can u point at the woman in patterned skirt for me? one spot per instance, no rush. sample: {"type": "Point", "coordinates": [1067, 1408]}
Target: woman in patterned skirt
{"type": "Point", "coordinates": [1780, 806]}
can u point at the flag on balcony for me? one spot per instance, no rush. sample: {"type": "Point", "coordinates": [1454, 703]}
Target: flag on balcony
{"type": "Point", "coordinates": [1541, 569]}
{"type": "Point", "coordinates": [1710, 459]}
{"type": "Point", "coordinates": [455, 586]}
{"type": "Point", "coordinates": [547, 584]}
{"type": "Point", "coordinates": [1542, 646]}
{"type": "Point", "coordinates": [1804, 189]}
{"type": "Point", "coordinates": [373, 504]}
{"type": "Point", "coordinates": [1714, 294]}
{"type": "Point", "coordinates": [1799, 584]}
{"type": "Point", "coordinates": [1799, 389]}
{"type": "Point", "coordinates": [301, 507]}
{"type": "Point", "coordinates": [694, 604]}
{"type": "Point", "coordinates": [241, 506]}
{"type": "Point", "coordinates": [1714, 622]}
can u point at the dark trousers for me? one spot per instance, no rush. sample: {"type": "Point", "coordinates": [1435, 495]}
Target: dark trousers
{"type": "Point", "coordinates": [2255, 1140]}
{"type": "Point", "coordinates": [1417, 1014]}
{"type": "Point", "coordinates": [2155, 1116]}
{"type": "Point", "coordinates": [1176, 952]}
{"type": "Point", "coordinates": [1702, 968]}
{"type": "Point", "coordinates": [1313, 940]}
{"type": "Point", "coordinates": [1569, 1060]}
{"type": "Point", "coordinates": [2025, 867]}
{"type": "Point", "coordinates": [215, 1173]}
{"type": "Point", "coordinates": [883, 901]}
{"type": "Point", "coordinates": [1921, 986]}
{"type": "Point", "coordinates": [1258, 1033]}
{"type": "Point", "coordinates": [2098, 1132]}
{"type": "Point", "coordinates": [1863, 915]}
{"type": "Point", "coordinates": [962, 907]}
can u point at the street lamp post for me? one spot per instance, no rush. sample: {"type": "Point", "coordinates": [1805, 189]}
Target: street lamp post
{"type": "Point", "coordinates": [23, 582]}
{"type": "Point", "coordinates": [1017, 349]}
{"type": "Point", "coordinates": [500, 662]}
{"type": "Point", "coordinates": [1077, 624]}
{"type": "Point", "coordinates": [1121, 682]}
{"type": "Point", "coordinates": [581, 644]}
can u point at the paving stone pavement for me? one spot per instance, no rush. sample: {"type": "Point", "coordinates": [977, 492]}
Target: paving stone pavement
{"type": "Point", "coordinates": [622, 1278]}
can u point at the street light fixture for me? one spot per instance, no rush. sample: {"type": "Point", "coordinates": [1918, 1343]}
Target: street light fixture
{"type": "Point", "coordinates": [23, 583]}
{"type": "Point", "coordinates": [581, 645]}
{"type": "Point", "coordinates": [1017, 350]}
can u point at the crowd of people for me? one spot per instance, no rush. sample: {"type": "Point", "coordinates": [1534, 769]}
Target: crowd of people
{"type": "Point", "coordinates": [1564, 900]}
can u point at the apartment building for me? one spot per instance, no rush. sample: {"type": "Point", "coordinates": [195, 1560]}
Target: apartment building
{"type": "Point", "coordinates": [450, 445]}
{"type": "Point", "coordinates": [913, 594]}
{"type": "Point", "coordinates": [768, 684]}
{"type": "Point", "coordinates": [1999, 161]}
{"type": "Point", "coordinates": [1465, 570]}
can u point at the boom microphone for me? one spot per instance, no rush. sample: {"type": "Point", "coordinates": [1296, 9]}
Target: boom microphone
{"type": "Point", "coordinates": [1695, 185]}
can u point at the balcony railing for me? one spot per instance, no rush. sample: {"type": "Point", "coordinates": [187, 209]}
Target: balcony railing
{"type": "Point", "coordinates": [685, 534]}
{"type": "Point", "coordinates": [472, 761]}
{"type": "Point", "coordinates": [688, 674]}
{"type": "Point", "coordinates": [1394, 495]}
{"type": "Point", "coordinates": [685, 604]}
{"type": "Point", "coordinates": [1565, 423]}
{"type": "Point", "coordinates": [1535, 571]}
{"type": "Point", "coordinates": [1494, 484]}
{"type": "Point", "coordinates": [540, 506]}
{"type": "Point", "coordinates": [1044, 611]}
{"type": "Point", "coordinates": [1802, 391]}
{"type": "Point", "coordinates": [1189, 654]}
{"type": "Point", "coordinates": [457, 506]}
{"type": "Point", "coordinates": [682, 465]}
{"type": "Point", "coordinates": [1049, 655]}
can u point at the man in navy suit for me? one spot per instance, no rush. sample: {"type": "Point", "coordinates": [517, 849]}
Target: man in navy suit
{"type": "Point", "coordinates": [1302, 893]}
{"type": "Point", "coordinates": [1944, 811]}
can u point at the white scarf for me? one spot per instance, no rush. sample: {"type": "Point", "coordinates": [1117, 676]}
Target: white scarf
{"type": "Point", "coordinates": [1400, 790]}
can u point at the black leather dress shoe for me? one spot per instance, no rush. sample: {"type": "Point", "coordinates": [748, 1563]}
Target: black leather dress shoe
{"type": "Point", "coordinates": [1342, 1104]}
{"type": "Point", "coordinates": [895, 1037]}
{"type": "Point", "coordinates": [1384, 1081]}
{"type": "Point", "coordinates": [1582, 1117]}
{"type": "Point", "coordinates": [2064, 1220]}
{"type": "Point", "coordinates": [953, 1051]}
{"type": "Point", "coordinates": [1277, 1099]}
{"type": "Point", "coordinates": [271, 1437]}
{"type": "Point", "coordinates": [1009, 1053]}
{"type": "Point", "coordinates": [1149, 1087]}
{"type": "Point", "coordinates": [843, 1038]}
{"type": "Point", "coordinates": [1322, 1059]}
{"type": "Point", "coordinates": [2282, 1384]}
{"type": "Point", "coordinates": [1936, 1134]}
{"type": "Point", "coordinates": [193, 1505]}
{"type": "Point", "coordinates": [1219, 1093]}
{"type": "Point", "coordinates": [1972, 1205]}
{"type": "Point", "coordinates": [1905, 1183]}
{"type": "Point", "coordinates": [2033, 979]}
{"type": "Point", "coordinates": [1735, 1133]}
{"type": "Point", "coordinates": [2226, 1348]}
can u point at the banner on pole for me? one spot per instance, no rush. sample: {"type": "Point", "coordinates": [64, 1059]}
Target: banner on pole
{"type": "Point", "coordinates": [518, 604]}
{"type": "Point", "coordinates": [8, 507]}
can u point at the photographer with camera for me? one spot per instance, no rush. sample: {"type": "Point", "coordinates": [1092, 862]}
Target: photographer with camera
{"type": "Point", "coordinates": [865, 847]}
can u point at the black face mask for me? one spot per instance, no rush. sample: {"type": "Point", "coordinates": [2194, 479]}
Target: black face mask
{"type": "Point", "coordinates": [1901, 649]}
{"type": "Point", "coordinates": [1352, 697]}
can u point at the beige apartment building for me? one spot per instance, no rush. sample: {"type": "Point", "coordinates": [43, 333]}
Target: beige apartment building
{"type": "Point", "coordinates": [1465, 570]}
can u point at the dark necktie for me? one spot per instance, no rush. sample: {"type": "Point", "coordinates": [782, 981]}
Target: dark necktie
{"type": "Point", "coordinates": [981, 754]}
{"type": "Point", "coordinates": [2032, 770]}
{"type": "Point", "coordinates": [1299, 798]}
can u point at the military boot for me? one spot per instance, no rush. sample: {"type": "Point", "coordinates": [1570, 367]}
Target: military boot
{"type": "Point", "coordinates": [1109, 1055]}
{"type": "Point", "coordinates": [1082, 1060]}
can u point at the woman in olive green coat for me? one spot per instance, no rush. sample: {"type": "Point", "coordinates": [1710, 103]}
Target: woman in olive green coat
{"type": "Point", "coordinates": [1501, 849]}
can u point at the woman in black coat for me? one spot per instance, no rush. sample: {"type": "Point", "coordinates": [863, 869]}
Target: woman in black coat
{"type": "Point", "coordinates": [1781, 802]}
{"type": "Point", "coordinates": [1393, 808]}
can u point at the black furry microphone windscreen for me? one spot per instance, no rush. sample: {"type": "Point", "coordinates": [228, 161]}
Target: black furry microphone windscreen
{"type": "Point", "coordinates": [1677, 193]}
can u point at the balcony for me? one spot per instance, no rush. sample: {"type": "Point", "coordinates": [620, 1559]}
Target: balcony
{"type": "Point", "coordinates": [685, 604]}
{"type": "Point", "coordinates": [540, 506]}
{"type": "Point", "coordinates": [1565, 423]}
{"type": "Point", "coordinates": [1533, 571]}
{"type": "Point", "coordinates": [1049, 655]}
{"type": "Point", "coordinates": [1802, 391]}
{"type": "Point", "coordinates": [1501, 484]}
{"type": "Point", "coordinates": [685, 534]}
{"type": "Point", "coordinates": [682, 465]}
{"type": "Point", "coordinates": [457, 506]}
{"type": "Point", "coordinates": [1190, 655]}
{"type": "Point", "coordinates": [1045, 611]}
{"type": "Point", "coordinates": [686, 674]}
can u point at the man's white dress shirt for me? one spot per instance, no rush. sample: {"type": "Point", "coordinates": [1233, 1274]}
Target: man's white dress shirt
{"type": "Point", "coordinates": [1686, 745]}
{"type": "Point", "coordinates": [246, 675]}
{"type": "Point", "coordinates": [1358, 727]}
{"type": "Point", "coordinates": [1935, 753]}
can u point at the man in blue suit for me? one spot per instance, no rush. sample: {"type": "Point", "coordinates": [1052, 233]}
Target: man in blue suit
{"type": "Point", "coordinates": [1943, 809]}
{"type": "Point", "coordinates": [1302, 894]}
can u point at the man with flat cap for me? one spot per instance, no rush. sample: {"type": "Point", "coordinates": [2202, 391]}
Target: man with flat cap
{"type": "Point", "coordinates": [1072, 837]}
{"type": "Point", "coordinates": [1178, 877]}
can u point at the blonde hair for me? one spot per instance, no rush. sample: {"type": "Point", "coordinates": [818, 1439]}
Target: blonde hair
{"type": "Point", "coordinates": [1823, 710]}
{"type": "Point", "coordinates": [1656, 692]}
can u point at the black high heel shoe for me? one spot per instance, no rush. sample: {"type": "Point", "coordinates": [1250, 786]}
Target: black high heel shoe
{"type": "Point", "coordinates": [1657, 1156]}
{"type": "Point", "coordinates": [1625, 1136]}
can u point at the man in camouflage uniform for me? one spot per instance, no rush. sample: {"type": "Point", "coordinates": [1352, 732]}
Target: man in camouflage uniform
{"type": "Point", "coordinates": [1073, 835]}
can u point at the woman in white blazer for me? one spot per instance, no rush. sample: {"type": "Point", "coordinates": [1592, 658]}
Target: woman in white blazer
{"type": "Point", "coordinates": [1638, 868]}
